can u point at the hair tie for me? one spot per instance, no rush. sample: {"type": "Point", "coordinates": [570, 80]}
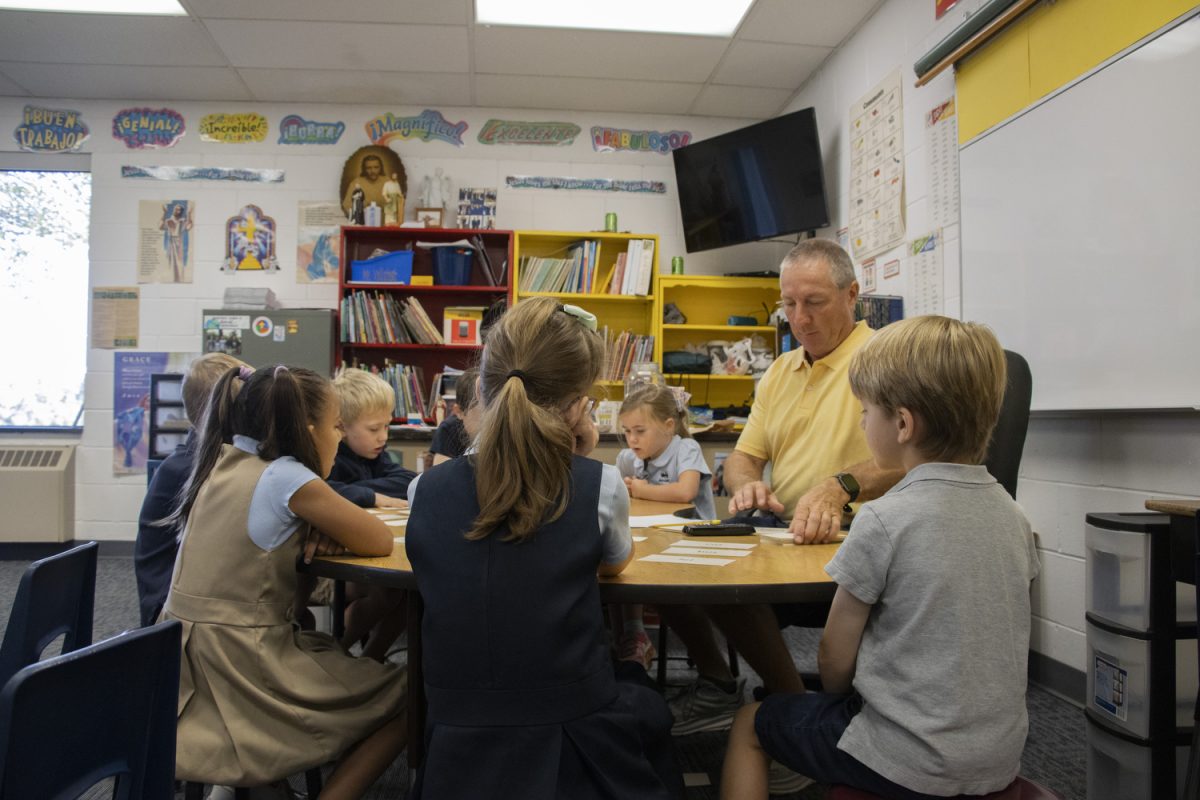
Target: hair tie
{"type": "Point", "coordinates": [245, 372]}
{"type": "Point", "coordinates": [681, 397]}
{"type": "Point", "coordinates": [279, 369]}
{"type": "Point", "coordinates": [516, 373]}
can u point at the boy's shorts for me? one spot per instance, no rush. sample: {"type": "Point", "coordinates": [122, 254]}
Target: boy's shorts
{"type": "Point", "coordinates": [801, 731]}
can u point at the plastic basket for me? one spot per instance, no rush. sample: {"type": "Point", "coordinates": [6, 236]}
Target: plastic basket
{"type": "Point", "coordinates": [452, 265]}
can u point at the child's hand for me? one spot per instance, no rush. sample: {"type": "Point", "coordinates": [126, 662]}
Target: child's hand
{"type": "Point", "coordinates": [629, 485]}
{"type": "Point", "coordinates": [636, 486]}
{"type": "Point", "coordinates": [383, 501]}
{"type": "Point", "coordinates": [586, 435]}
{"type": "Point", "coordinates": [318, 544]}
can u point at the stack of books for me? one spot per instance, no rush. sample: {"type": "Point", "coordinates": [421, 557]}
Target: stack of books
{"type": "Point", "coordinates": [634, 269]}
{"type": "Point", "coordinates": [574, 274]}
{"type": "Point", "coordinates": [249, 297]}
{"type": "Point", "coordinates": [411, 405]}
{"type": "Point", "coordinates": [623, 351]}
{"type": "Point", "coordinates": [380, 318]}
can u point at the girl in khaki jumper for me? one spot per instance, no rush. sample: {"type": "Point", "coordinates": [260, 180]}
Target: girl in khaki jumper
{"type": "Point", "coordinates": [258, 698]}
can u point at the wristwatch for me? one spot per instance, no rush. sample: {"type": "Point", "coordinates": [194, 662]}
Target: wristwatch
{"type": "Point", "coordinates": [849, 485]}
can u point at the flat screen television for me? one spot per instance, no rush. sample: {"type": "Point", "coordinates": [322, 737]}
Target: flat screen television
{"type": "Point", "coordinates": [753, 183]}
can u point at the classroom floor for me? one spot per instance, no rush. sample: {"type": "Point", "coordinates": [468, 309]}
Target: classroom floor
{"type": "Point", "coordinates": [1055, 754]}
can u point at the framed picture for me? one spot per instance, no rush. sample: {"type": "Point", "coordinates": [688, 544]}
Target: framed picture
{"type": "Point", "coordinates": [431, 217]}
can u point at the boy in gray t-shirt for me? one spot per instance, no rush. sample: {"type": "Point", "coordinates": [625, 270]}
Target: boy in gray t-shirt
{"type": "Point", "coordinates": [923, 659]}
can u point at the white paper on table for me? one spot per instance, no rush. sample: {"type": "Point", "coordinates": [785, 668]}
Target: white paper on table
{"type": "Point", "coordinates": [640, 538]}
{"type": "Point", "coordinates": [651, 520]}
{"type": "Point", "coordinates": [699, 561]}
{"type": "Point", "coordinates": [396, 523]}
{"type": "Point", "coordinates": [399, 540]}
{"type": "Point", "coordinates": [779, 534]}
{"type": "Point", "coordinates": [706, 541]}
{"type": "Point", "coordinates": [704, 551]}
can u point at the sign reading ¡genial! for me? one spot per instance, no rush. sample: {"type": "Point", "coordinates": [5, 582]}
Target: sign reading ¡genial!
{"type": "Point", "coordinates": [233, 128]}
{"type": "Point", "coordinates": [140, 128]}
{"type": "Point", "coordinates": [50, 130]}
{"type": "Point", "coordinates": [503, 131]}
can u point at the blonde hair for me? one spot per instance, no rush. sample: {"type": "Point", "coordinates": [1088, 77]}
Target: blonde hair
{"type": "Point", "coordinates": [662, 404]}
{"type": "Point", "coordinates": [361, 392]}
{"type": "Point", "coordinates": [202, 375]}
{"type": "Point", "coordinates": [950, 373]}
{"type": "Point", "coordinates": [537, 361]}
{"type": "Point", "coordinates": [464, 389]}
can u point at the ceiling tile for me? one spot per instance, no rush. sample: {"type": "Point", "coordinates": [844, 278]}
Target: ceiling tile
{"type": "Point", "coordinates": [823, 23]}
{"type": "Point", "coordinates": [593, 94]}
{"type": "Point", "coordinates": [105, 39]}
{"type": "Point", "coordinates": [740, 101]}
{"type": "Point", "coordinates": [779, 66]}
{"type": "Point", "coordinates": [369, 86]}
{"type": "Point", "coordinates": [324, 45]}
{"type": "Point", "coordinates": [173, 84]}
{"type": "Point", "coordinates": [442, 12]}
{"type": "Point", "coordinates": [10, 89]}
{"type": "Point", "coordinates": [596, 54]}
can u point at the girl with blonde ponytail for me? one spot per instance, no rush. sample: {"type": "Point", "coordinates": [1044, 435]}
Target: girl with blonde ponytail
{"type": "Point", "coordinates": [506, 545]}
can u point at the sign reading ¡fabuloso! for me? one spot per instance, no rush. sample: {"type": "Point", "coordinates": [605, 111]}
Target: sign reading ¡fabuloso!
{"type": "Point", "coordinates": [606, 140]}
{"type": "Point", "coordinates": [50, 130]}
{"type": "Point", "coordinates": [429, 125]}
{"type": "Point", "coordinates": [140, 128]}
{"type": "Point", "coordinates": [503, 131]}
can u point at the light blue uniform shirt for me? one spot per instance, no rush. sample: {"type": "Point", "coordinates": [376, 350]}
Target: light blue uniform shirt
{"type": "Point", "coordinates": [680, 456]}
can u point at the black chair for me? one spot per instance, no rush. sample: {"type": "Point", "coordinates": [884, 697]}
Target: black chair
{"type": "Point", "coordinates": [106, 710]}
{"type": "Point", "coordinates": [55, 597]}
{"type": "Point", "coordinates": [1004, 451]}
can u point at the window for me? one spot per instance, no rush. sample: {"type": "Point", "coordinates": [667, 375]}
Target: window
{"type": "Point", "coordinates": [44, 217]}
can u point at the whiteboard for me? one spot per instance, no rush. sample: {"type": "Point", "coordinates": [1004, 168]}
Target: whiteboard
{"type": "Point", "coordinates": [1080, 224]}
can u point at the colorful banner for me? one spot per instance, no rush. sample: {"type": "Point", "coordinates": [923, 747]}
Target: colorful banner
{"type": "Point", "coordinates": [202, 174]}
{"type": "Point", "coordinates": [140, 128]}
{"type": "Point", "coordinates": [608, 140]}
{"type": "Point", "coordinates": [294, 129]}
{"type": "Point", "coordinates": [503, 131]}
{"type": "Point", "coordinates": [250, 241]}
{"type": "Point", "coordinates": [233, 128]}
{"type": "Point", "coordinates": [50, 130]}
{"type": "Point", "coordinates": [590, 184]}
{"type": "Point", "coordinates": [429, 125]}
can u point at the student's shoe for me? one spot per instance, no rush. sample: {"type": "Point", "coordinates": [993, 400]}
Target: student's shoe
{"type": "Point", "coordinates": [705, 706]}
{"type": "Point", "coordinates": [781, 780]}
{"type": "Point", "coordinates": [637, 648]}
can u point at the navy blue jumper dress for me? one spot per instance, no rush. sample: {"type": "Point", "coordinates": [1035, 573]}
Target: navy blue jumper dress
{"type": "Point", "coordinates": [522, 698]}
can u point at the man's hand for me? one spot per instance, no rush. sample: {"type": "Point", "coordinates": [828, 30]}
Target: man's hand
{"type": "Point", "coordinates": [818, 516]}
{"type": "Point", "coordinates": [755, 495]}
{"type": "Point", "coordinates": [318, 544]}
{"type": "Point", "coordinates": [383, 501]}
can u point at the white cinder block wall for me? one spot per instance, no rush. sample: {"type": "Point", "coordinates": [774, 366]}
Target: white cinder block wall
{"type": "Point", "coordinates": [106, 505]}
{"type": "Point", "coordinates": [1073, 464]}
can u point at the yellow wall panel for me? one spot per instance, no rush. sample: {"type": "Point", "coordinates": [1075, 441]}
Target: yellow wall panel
{"type": "Point", "coordinates": [1059, 41]}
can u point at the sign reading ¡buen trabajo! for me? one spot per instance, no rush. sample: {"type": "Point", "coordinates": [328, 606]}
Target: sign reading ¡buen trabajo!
{"type": "Point", "coordinates": [504, 131]}
{"type": "Point", "coordinates": [50, 130]}
{"type": "Point", "coordinates": [233, 128]}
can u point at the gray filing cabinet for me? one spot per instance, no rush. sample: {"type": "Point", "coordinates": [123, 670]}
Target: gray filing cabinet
{"type": "Point", "coordinates": [298, 337]}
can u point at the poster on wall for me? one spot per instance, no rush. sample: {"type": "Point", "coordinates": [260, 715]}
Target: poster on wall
{"type": "Point", "coordinates": [50, 130]}
{"type": "Point", "coordinates": [250, 241]}
{"type": "Point", "coordinates": [941, 142]}
{"type": "Point", "coordinates": [506, 131]}
{"type": "Point", "coordinates": [925, 269]}
{"type": "Point", "coordinates": [610, 140]}
{"type": "Point", "coordinates": [477, 208]}
{"type": "Point", "coordinates": [317, 242]}
{"type": "Point", "coordinates": [141, 128]}
{"type": "Point", "coordinates": [428, 126]}
{"type": "Point", "coordinates": [131, 405]}
{"type": "Point", "coordinates": [233, 128]}
{"type": "Point", "coordinates": [585, 184]}
{"type": "Point", "coordinates": [295, 129]}
{"type": "Point", "coordinates": [115, 316]}
{"type": "Point", "coordinates": [201, 173]}
{"type": "Point", "coordinates": [877, 169]}
{"type": "Point", "coordinates": [165, 241]}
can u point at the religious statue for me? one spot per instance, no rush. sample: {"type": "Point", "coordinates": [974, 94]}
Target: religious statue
{"type": "Point", "coordinates": [357, 208]}
{"type": "Point", "coordinates": [393, 202]}
{"type": "Point", "coordinates": [435, 190]}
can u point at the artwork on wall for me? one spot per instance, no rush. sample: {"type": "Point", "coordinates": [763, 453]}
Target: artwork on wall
{"type": "Point", "coordinates": [295, 129]}
{"type": "Point", "coordinates": [131, 405]}
{"type": "Point", "coordinates": [233, 128]}
{"type": "Point", "coordinates": [115, 316]}
{"type": "Point", "coordinates": [250, 241]}
{"type": "Point", "coordinates": [370, 169]}
{"type": "Point", "coordinates": [428, 126]}
{"type": "Point", "coordinates": [609, 140]}
{"type": "Point", "coordinates": [164, 241]}
{"type": "Point", "coordinates": [877, 169]}
{"type": "Point", "coordinates": [143, 128]}
{"type": "Point", "coordinates": [588, 184]}
{"type": "Point", "coordinates": [202, 174]}
{"type": "Point", "coordinates": [504, 131]}
{"type": "Point", "coordinates": [50, 130]}
{"type": "Point", "coordinates": [868, 273]}
{"type": "Point", "coordinates": [477, 208]}
{"type": "Point", "coordinates": [317, 242]}
{"type": "Point", "coordinates": [431, 217]}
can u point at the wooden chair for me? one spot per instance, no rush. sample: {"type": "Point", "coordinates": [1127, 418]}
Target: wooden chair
{"type": "Point", "coordinates": [1020, 789]}
{"type": "Point", "coordinates": [101, 711]}
{"type": "Point", "coordinates": [55, 597]}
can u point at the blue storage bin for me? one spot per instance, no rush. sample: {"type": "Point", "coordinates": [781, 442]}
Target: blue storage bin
{"type": "Point", "coordinates": [391, 268]}
{"type": "Point", "coordinates": [452, 265]}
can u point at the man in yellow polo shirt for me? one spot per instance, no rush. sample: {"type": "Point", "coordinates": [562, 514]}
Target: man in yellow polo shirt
{"type": "Point", "coordinates": [805, 423]}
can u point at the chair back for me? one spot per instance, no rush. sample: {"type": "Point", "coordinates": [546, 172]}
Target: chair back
{"type": "Point", "coordinates": [55, 597]}
{"type": "Point", "coordinates": [1004, 450]}
{"type": "Point", "coordinates": [105, 710]}
{"type": "Point", "coordinates": [1020, 789]}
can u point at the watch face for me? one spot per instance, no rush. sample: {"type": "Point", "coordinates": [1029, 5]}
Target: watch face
{"type": "Point", "coordinates": [849, 484]}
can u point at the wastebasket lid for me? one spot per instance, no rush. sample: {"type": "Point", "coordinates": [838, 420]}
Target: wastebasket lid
{"type": "Point", "coordinates": [1136, 521]}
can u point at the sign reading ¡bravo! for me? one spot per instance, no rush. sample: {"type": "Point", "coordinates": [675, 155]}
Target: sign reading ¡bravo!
{"type": "Point", "coordinates": [50, 130]}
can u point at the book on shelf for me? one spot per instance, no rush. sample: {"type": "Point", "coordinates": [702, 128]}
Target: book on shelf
{"type": "Point", "coordinates": [381, 318]}
{"type": "Point", "coordinates": [623, 350]}
{"type": "Point", "coordinates": [461, 324]}
{"type": "Point", "coordinates": [574, 274]}
{"type": "Point", "coordinates": [637, 268]}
